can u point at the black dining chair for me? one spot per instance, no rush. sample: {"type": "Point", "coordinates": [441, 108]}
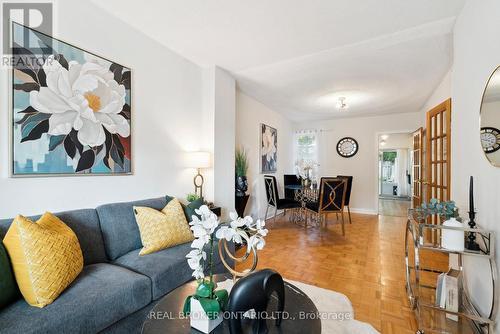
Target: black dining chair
{"type": "Point", "coordinates": [273, 197]}
{"type": "Point", "coordinates": [348, 194]}
{"type": "Point", "coordinates": [291, 180]}
{"type": "Point", "coordinates": [331, 198]}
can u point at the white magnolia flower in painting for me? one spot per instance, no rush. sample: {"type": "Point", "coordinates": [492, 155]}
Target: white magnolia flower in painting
{"type": "Point", "coordinates": [268, 147]}
{"type": "Point", "coordinates": [85, 98]}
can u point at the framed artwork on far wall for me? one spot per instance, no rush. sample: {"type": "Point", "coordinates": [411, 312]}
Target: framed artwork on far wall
{"type": "Point", "coordinates": [70, 109]}
{"type": "Point", "coordinates": [268, 149]}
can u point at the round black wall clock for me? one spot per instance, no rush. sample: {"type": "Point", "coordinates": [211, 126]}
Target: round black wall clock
{"type": "Point", "coordinates": [347, 147]}
{"type": "Point", "coordinates": [490, 139]}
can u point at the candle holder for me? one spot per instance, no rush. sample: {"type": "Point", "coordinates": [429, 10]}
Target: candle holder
{"type": "Point", "coordinates": [471, 243]}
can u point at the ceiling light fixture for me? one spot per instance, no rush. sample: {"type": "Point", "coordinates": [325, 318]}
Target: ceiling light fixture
{"type": "Point", "coordinates": [382, 143]}
{"type": "Point", "coordinates": [341, 104]}
{"type": "Point", "coordinates": [384, 137]}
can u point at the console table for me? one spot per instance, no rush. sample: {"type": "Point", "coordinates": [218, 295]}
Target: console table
{"type": "Point", "coordinates": [421, 279]}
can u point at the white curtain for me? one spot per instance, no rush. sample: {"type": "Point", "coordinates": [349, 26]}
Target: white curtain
{"type": "Point", "coordinates": [401, 169]}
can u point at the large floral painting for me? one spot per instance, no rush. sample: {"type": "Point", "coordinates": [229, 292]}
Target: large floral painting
{"type": "Point", "coordinates": [268, 149]}
{"type": "Point", "coordinates": [71, 110]}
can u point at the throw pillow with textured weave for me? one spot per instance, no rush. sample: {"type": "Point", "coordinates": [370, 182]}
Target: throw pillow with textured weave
{"type": "Point", "coordinates": [45, 255]}
{"type": "Point", "coordinates": [162, 229]}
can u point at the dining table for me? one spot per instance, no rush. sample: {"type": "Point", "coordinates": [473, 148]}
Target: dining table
{"type": "Point", "coordinates": [304, 194]}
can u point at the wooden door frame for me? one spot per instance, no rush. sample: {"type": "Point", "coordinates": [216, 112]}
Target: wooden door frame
{"type": "Point", "coordinates": [418, 182]}
{"type": "Point", "coordinates": [377, 147]}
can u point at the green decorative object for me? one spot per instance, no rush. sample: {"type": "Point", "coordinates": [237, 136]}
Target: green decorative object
{"type": "Point", "coordinates": [445, 210]}
{"type": "Point", "coordinates": [189, 209]}
{"type": "Point", "coordinates": [211, 301]}
{"type": "Point", "coordinates": [8, 287]}
{"type": "Point", "coordinates": [192, 197]}
{"type": "Point", "coordinates": [241, 162]}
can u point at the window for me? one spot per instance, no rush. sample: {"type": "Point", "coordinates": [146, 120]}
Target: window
{"type": "Point", "coordinates": [307, 154]}
{"type": "Point", "coordinates": [306, 146]}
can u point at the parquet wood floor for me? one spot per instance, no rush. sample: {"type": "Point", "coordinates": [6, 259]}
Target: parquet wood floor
{"type": "Point", "coordinates": [367, 265]}
{"type": "Point", "coordinates": [393, 207]}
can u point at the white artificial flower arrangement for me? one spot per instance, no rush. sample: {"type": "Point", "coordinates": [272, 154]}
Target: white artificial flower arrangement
{"type": "Point", "coordinates": [237, 231]}
{"type": "Point", "coordinates": [305, 168]}
{"type": "Point", "coordinates": [206, 296]}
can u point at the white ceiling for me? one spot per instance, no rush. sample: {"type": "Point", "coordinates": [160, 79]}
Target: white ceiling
{"type": "Point", "coordinates": [298, 56]}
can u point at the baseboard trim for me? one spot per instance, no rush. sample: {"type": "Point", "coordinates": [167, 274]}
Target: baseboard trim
{"type": "Point", "coordinates": [364, 211]}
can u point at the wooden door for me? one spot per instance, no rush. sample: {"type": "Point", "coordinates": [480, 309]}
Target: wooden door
{"type": "Point", "coordinates": [438, 155]}
{"type": "Point", "coordinates": [438, 152]}
{"type": "Point", "coordinates": [418, 153]}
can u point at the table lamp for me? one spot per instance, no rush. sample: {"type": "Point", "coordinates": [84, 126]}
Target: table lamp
{"type": "Point", "coordinates": [198, 160]}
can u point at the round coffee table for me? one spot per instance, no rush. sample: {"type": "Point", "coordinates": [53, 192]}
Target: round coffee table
{"type": "Point", "coordinates": [166, 317]}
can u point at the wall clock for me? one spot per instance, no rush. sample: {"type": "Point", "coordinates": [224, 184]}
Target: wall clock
{"type": "Point", "coordinates": [347, 147]}
{"type": "Point", "coordinates": [490, 139]}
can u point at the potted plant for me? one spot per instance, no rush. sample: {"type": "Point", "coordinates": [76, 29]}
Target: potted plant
{"type": "Point", "coordinates": [445, 210]}
{"type": "Point", "coordinates": [205, 306]}
{"type": "Point", "coordinates": [192, 197]}
{"type": "Point", "coordinates": [241, 167]}
{"type": "Point", "coordinates": [453, 238]}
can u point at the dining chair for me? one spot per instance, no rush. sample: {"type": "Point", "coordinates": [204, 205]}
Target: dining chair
{"type": "Point", "coordinates": [291, 180]}
{"type": "Point", "coordinates": [348, 194]}
{"type": "Point", "coordinates": [331, 198]}
{"type": "Point", "coordinates": [273, 197]}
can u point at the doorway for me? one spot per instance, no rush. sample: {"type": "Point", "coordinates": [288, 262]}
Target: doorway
{"type": "Point", "coordinates": [394, 174]}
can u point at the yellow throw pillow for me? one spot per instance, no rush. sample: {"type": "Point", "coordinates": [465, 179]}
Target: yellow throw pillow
{"type": "Point", "coordinates": [162, 229]}
{"type": "Point", "coordinates": [45, 255]}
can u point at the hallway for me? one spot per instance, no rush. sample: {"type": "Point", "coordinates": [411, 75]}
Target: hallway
{"type": "Point", "coordinates": [393, 207]}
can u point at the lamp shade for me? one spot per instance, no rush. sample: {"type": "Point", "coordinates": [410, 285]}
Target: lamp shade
{"type": "Point", "coordinates": [198, 159]}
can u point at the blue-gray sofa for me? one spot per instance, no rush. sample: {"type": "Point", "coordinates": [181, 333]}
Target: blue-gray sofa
{"type": "Point", "coordinates": [117, 287]}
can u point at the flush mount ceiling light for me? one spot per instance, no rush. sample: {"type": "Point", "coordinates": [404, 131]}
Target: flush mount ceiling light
{"type": "Point", "coordinates": [382, 143]}
{"type": "Point", "coordinates": [384, 137]}
{"type": "Point", "coordinates": [341, 104]}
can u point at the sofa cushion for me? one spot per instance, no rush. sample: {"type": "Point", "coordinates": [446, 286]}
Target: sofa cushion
{"type": "Point", "coordinates": [189, 209]}
{"type": "Point", "coordinates": [46, 257]}
{"type": "Point", "coordinates": [119, 228]}
{"type": "Point", "coordinates": [85, 224]}
{"type": "Point", "coordinates": [167, 268]}
{"type": "Point", "coordinates": [162, 229]}
{"type": "Point", "coordinates": [8, 284]}
{"type": "Point", "coordinates": [99, 297]}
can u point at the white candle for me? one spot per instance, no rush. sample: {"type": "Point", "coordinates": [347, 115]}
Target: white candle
{"type": "Point", "coordinates": [452, 239]}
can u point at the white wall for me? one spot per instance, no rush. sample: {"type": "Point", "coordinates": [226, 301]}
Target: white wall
{"type": "Point", "coordinates": [249, 115]}
{"type": "Point", "coordinates": [398, 140]}
{"type": "Point", "coordinates": [364, 165]}
{"type": "Point", "coordinates": [476, 54]}
{"type": "Point", "coordinates": [166, 104]}
{"type": "Point", "coordinates": [440, 94]}
{"type": "Point", "coordinates": [224, 142]}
